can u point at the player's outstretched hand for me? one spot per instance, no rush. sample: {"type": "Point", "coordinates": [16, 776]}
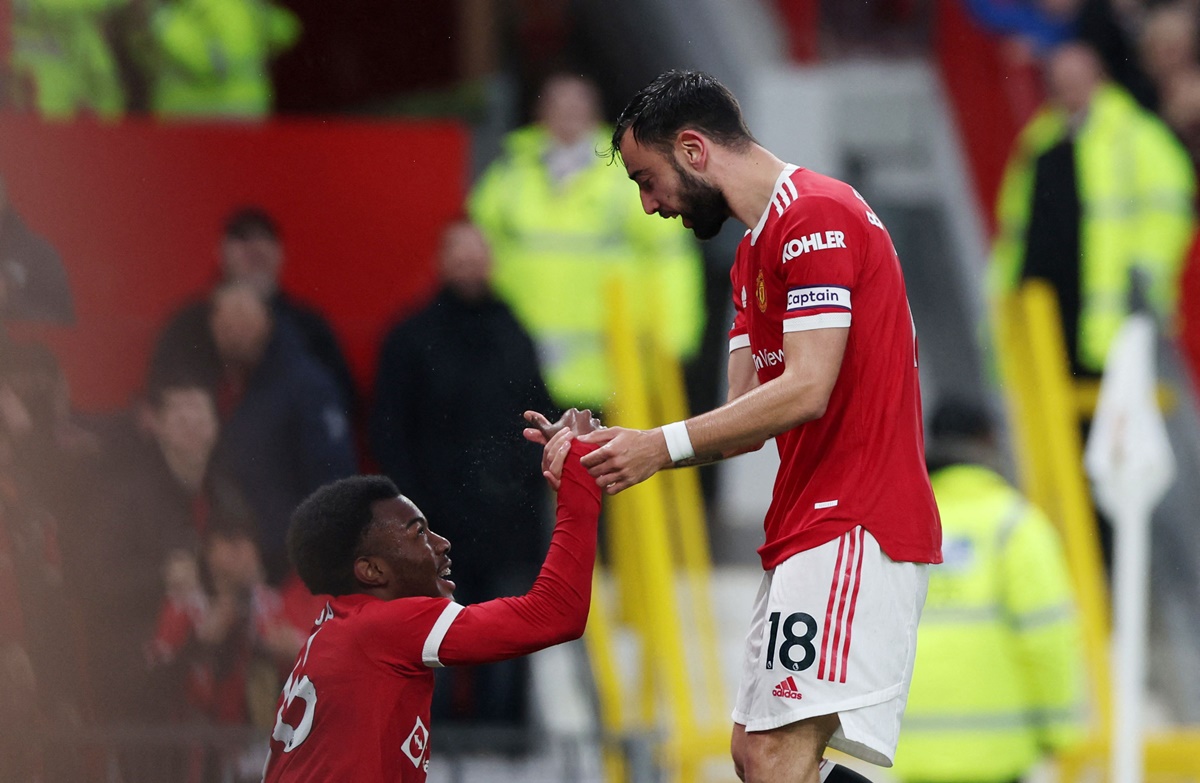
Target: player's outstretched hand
{"type": "Point", "coordinates": [625, 457]}
{"type": "Point", "coordinates": [557, 439]}
{"type": "Point", "coordinates": [540, 429]}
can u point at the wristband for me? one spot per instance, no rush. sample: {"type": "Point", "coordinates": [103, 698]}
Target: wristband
{"type": "Point", "coordinates": [679, 445]}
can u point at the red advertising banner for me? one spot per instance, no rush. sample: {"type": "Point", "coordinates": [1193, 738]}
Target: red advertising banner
{"type": "Point", "coordinates": [135, 209]}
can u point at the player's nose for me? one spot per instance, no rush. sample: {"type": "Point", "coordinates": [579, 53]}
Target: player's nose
{"type": "Point", "coordinates": [649, 204]}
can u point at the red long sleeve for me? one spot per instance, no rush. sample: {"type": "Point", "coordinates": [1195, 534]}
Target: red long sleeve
{"type": "Point", "coordinates": [555, 609]}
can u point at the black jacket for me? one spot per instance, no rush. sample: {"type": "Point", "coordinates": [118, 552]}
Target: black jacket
{"type": "Point", "coordinates": [452, 384]}
{"type": "Point", "coordinates": [287, 436]}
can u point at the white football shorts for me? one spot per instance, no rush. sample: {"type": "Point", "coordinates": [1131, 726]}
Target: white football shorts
{"type": "Point", "coordinates": [834, 629]}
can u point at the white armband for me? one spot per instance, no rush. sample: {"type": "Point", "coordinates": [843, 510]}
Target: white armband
{"type": "Point", "coordinates": [679, 445]}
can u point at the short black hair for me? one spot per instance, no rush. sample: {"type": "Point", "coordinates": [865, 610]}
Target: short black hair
{"type": "Point", "coordinates": [247, 222]}
{"type": "Point", "coordinates": [679, 100]}
{"type": "Point", "coordinates": [327, 530]}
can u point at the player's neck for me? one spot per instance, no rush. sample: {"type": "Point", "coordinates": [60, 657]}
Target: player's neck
{"type": "Point", "coordinates": [749, 182]}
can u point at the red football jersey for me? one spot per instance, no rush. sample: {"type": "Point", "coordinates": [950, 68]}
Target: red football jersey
{"type": "Point", "coordinates": [356, 706]}
{"type": "Point", "coordinates": [819, 258]}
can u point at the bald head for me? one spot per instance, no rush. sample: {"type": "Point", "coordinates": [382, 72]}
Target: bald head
{"type": "Point", "coordinates": [568, 108]}
{"type": "Point", "coordinates": [240, 323]}
{"type": "Point", "coordinates": [1073, 74]}
{"type": "Point", "coordinates": [465, 261]}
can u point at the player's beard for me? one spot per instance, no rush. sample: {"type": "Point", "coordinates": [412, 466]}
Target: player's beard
{"type": "Point", "coordinates": [703, 205]}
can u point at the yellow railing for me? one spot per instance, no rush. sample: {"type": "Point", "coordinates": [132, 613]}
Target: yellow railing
{"type": "Point", "coordinates": [1045, 409]}
{"type": "Point", "coordinates": [659, 568]}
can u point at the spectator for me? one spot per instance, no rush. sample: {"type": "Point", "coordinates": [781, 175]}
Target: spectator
{"type": "Point", "coordinates": [232, 641]}
{"type": "Point", "coordinates": [1096, 189]}
{"type": "Point", "coordinates": [162, 499]}
{"type": "Point", "coordinates": [40, 650]}
{"type": "Point", "coordinates": [60, 49]}
{"type": "Point", "coordinates": [283, 429]}
{"type": "Point", "coordinates": [33, 283]}
{"type": "Point", "coordinates": [452, 381]}
{"type": "Point", "coordinates": [556, 213]}
{"type": "Point", "coordinates": [1181, 109]}
{"type": "Point", "coordinates": [998, 681]}
{"type": "Point", "coordinates": [1167, 44]}
{"type": "Point", "coordinates": [212, 57]}
{"type": "Point", "coordinates": [251, 252]}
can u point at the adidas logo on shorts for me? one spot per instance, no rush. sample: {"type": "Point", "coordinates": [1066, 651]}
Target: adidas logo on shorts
{"type": "Point", "coordinates": [787, 690]}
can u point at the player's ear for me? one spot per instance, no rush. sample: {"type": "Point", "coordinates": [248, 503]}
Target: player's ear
{"type": "Point", "coordinates": [692, 147]}
{"type": "Point", "coordinates": [370, 571]}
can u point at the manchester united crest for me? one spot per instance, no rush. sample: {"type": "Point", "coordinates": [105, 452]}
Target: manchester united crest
{"type": "Point", "coordinates": [760, 291]}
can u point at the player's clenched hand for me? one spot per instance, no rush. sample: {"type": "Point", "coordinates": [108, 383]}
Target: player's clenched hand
{"type": "Point", "coordinates": [625, 457]}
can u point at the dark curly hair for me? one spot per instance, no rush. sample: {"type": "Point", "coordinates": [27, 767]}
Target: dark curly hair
{"type": "Point", "coordinates": [327, 530]}
{"type": "Point", "coordinates": [679, 100]}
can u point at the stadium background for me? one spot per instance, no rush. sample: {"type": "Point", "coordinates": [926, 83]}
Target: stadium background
{"type": "Point", "coordinates": [384, 114]}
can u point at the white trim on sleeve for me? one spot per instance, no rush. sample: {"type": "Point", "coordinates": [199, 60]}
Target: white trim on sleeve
{"type": "Point", "coordinates": [807, 323]}
{"type": "Point", "coordinates": [433, 642]}
{"type": "Point", "coordinates": [739, 341]}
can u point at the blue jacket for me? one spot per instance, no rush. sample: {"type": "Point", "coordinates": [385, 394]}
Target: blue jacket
{"type": "Point", "coordinates": [287, 436]}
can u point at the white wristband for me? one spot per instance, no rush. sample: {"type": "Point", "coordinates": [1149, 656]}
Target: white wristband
{"type": "Point", "coordinates": [679, 445]}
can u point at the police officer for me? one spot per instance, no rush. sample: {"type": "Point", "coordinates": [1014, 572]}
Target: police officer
{"type": "Point", "coordinates": [1096, 187]}
{"type": "Point", "coordinates": [559, 218]}
{"type": "Point", "coordinates": [998, 681]}
{"type": "Point", "coordinates": [212, 57]}
{"type": "Point", "coordinates": [61, 53]}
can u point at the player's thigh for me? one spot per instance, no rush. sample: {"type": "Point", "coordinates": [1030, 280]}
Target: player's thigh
{"type": "Point", "coordinates": [788, 754]}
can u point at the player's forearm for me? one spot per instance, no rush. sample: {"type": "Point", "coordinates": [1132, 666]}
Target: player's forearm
{"type": "Point", "coordinates": [555, 609]}
{"type": "Point", "coordinates": [763, 412]}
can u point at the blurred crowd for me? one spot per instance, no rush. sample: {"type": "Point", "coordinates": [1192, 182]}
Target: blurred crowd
{"type": "Point", "coordinates": [174, 58]}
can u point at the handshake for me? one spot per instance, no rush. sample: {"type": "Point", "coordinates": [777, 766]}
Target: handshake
{"type": "Point", "coordinates": [556, 437]}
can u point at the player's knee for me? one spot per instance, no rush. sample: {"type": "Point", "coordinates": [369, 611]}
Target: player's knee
{"type": "Point", "coordinates": [791, 750]}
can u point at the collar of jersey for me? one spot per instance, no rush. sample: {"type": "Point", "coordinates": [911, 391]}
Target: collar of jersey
{"type": "Point", "coordinates": [788, 170]}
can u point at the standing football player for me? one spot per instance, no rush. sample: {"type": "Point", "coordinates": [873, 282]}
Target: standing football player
{"type": "Point", "coordinates": [823, 358]}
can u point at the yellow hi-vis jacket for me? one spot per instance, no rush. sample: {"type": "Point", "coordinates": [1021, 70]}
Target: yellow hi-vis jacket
{"type": "Point", "coordinates": [213, 56]}
{"type": "Point", "coordinates": [998, 679]}
{"type": "Point", "coordinates": [60, 47]}
{"type": "Point", "coordinates": [557, 245]}
{"type": "Point", "coordinates": [1136, 189]}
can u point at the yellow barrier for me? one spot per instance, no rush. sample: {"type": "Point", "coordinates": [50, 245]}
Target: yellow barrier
{"type": "Point", "coordinates": [651, 527]}
{"type": "Point", "coordinates": [1063, 449]}
{"type": "Point", "coordinates": [1025, 413]}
